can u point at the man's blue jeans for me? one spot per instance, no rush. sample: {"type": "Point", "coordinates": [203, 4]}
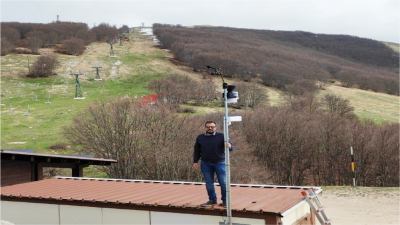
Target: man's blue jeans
{"type": "Point", "coordinates": [209, 170]}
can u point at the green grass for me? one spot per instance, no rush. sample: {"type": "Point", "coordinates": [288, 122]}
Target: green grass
{"type": "Point", "coordinates": [368, 105]}
{"type": "Point", "coordinates": [375, 106]}
{"type": "Point", "coordinates": [142, 58]}
{"type": "Point", "coordinates": [26, 117]}
{"type": "Point", "coordinates": [34, 112]}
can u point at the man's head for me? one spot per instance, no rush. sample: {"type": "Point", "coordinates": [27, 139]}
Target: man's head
{"type": "Point", "coordinates": [210, 126]}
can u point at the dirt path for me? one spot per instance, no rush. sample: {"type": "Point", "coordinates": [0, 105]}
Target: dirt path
{"type": "Point", "coordinates": [362, 206]}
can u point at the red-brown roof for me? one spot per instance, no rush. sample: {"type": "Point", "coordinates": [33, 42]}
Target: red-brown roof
{"type": "Point", "coordinates": [135, 193]}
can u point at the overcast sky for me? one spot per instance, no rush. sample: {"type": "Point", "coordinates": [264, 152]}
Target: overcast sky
{"type": "Point", "coordinates": [375, 19]}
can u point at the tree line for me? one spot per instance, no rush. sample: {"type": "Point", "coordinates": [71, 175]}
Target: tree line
{"type": "Point", "coordinates": [301, 144]}
{"type": "Point", "coordinates": [280, 58]}
{"type": "Point", "coordinates": [304, 142]}
{"type": "Point", "coordinates": [66, 37]}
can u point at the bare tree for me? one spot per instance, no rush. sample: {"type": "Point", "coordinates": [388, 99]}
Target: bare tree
{"type": "Point", "coordinates": [149, 142]}
{"type": "Point", "coordinates": [338, 105]}
{"type": "Point", "coordinates": [73, 46]}
{"type": "Point", "coordinates": [251, 95]}
{"type": "Point", "coordinates": [298, 147]}
{"type": "Point", "coordinates": [302, 87]}
{"type": "Point", "coordinates": [178, 89]}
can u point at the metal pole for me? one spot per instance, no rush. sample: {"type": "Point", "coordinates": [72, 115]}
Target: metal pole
{"type": "Point", "coordinates": [353, 166]}
{"type": "Point", "coordinates": [76, 85]}
{"type": "Point", "coordinates": [78, 91]}
{"type": "Point", "coordinates": [227, 160]}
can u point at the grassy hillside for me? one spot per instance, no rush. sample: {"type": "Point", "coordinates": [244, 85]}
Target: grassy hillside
{"type": "Point", "coordinates": [375, 106]}
{"type": "Point", "coordinates": [34, 111]}
{"type": "Point", "coordinates": [379, 107]}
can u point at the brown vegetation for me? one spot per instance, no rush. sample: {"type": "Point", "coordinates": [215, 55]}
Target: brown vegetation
{"type": "Point", "coordinates": [178, 89]}
{"type": "Point", "coordinates": [72, 46]}
{"type": "Point", "coordinates": [280, 58]}
{"type": "Point", "coordinates": [312, 147]}
{"type": "Point", "coordinates": [44, 66]}
{"type": "Point", "coordinates": [282, 145]}
{"type": "Point", "coordinates": [71, 35]}
{"type": "Point", "coordinates": [251, 95]}
{"type": "Point", "coordinates": [149, 142]}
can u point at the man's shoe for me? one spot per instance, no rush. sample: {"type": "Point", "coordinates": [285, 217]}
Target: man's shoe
{"type": "Point", "coordinates": [208, 204]}
{"type": "Point", "coordinates": [222, 204]}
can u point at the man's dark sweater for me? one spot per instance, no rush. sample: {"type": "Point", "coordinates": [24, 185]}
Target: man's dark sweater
{"type": "Point", "coordinates": [210, 148]}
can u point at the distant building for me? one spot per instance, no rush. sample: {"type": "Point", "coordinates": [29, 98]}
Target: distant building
{"type": "Point", "coordinates": [22, 166]}
{"type": "Point", "coordinates": [68, 200]}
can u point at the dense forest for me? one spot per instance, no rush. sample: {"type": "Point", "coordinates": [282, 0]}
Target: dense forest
{"type": "Point", "coordinates": [278, 58]}
{"type": "Point", "coordinates": [67, 37]}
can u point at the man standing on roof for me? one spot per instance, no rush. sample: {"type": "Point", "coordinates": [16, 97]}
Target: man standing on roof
{"type": "Point", "coordinates": [209, 147]}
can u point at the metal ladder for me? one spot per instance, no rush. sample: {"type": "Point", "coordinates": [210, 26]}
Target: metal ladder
{"type": "Point", "coordinates": [316, 206]}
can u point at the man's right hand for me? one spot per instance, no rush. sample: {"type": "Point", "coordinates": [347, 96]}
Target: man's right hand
{"type": "Point", "coordinates": [195, 166]}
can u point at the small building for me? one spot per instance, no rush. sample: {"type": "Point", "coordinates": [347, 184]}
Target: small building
{"type": "Point", "coordinates": [71, 200]}
{"type": "Point", "coordinates": [22, 166]}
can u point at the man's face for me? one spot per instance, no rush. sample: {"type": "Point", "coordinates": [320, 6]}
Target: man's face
{"type": "Point", "coordinates": [211, 128]}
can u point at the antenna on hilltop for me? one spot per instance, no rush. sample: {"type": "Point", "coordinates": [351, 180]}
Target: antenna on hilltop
{"type": "Point", "coordinates": [58, 19]}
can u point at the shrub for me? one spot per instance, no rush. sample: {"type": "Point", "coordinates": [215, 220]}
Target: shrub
{"type": "Point", "coordinates": [35, 40]}
{"type": "Point", "coordinates": [185, 110]}
{"type": "Point", "coordinates": [178, 89]}
{"type": "Point", "coordinates": [338, 105]}
{"type": "Point", "coordinates": [250, 95]}
{"type": "Point", "coordinates": [72, 46]}
{"type": "Point", "coordinates": [302, 87]}
{"type": "Point", "coordinates": [44, 66]}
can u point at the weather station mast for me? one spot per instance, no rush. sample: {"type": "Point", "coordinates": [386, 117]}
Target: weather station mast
{"type": "Point", "coordinates": [230, 96]}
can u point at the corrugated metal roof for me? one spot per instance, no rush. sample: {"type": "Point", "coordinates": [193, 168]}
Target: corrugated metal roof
{"type": "Point", "coordinates": [245, 198]}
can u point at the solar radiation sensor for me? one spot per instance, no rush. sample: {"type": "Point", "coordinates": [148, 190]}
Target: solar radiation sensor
{"type": "Point", "coordinates": [232, 95]}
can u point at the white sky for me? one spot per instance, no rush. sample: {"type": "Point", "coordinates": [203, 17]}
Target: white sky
{"type": "Point", "coordinates": [375, 19]}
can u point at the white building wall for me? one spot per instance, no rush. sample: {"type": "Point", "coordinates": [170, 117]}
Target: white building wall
{"type": "Point", "coordinates": [164, 218]}
{"type": "Point", "coordinates": [80, 215]}
{"type": "Point", "coordinates": [37, 213]}
{"type": "Point", "coordinates": [29, 213]}
{"type": "Point", "coordinates": [295, 213]}
{"type": "Point", "coordinates": [125, 216]}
